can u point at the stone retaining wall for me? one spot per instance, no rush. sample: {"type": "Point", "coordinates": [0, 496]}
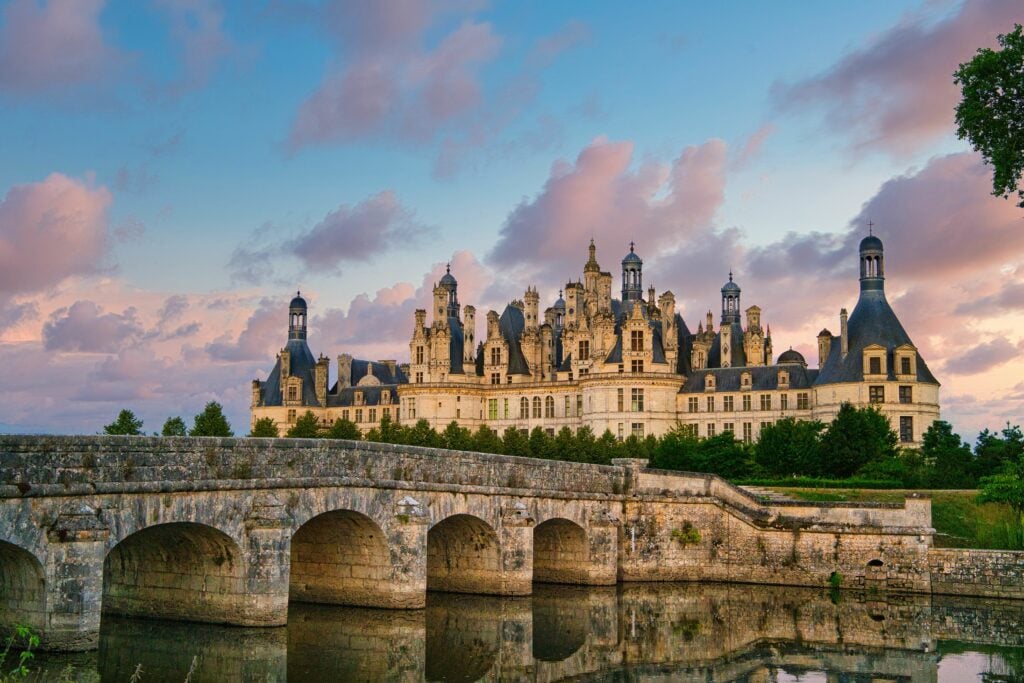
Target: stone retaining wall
{"type": "Point", "coordinates": [990, 573]}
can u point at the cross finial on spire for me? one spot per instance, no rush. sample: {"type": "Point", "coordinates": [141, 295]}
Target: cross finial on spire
{"type": "Point", "coordinates": [631, 246]}
{"type": "Point", "coordinates": [298, 293]}
{"type": "Point", "coordinates": [871, 226]}
{"type": "Point", "coordinates": [730, 275]}
{"type": "Point", "coordinates": [448, 267]}
{"type": "Point", "coordinates": [559, 294]}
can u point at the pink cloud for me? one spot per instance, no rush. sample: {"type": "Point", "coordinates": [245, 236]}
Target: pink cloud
{"type": "Point", "coordinates": [50, 230]}
{"type": "Point", "coordinates": [53, 44]}
{"type": "Point", "coordinates": [264, 333]}
{"type": "Point", "coordinates": [897, 93]}
{"type": "Point", "coordinates": [85, 327]}
{"type": "Point", "coordinates": [752, 147]}
{"type": "Point", "coordinates": [546, 49]}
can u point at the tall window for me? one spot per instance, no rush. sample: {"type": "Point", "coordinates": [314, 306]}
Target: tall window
{"type": "Point", "coordinates": [344, 415]}
{"type": "Point", "coordinates": [492, 409]}
{"type": "Point", "coordinates": [711, 404]}
{"type": "Point", "coordinates": [746, 401]}
{"type": "Point", "coordinates": [747, 433]}
{"type": "Point", "coordinates": [905, 365]}
{"type": "Point", "coordinates": [496, 356]}
{"type": "Point", "coordinates": [636, 340]}
{"type": "Point", "coordinates": [876, 394]}
{"type": "Point", "coordinates": [506, 409]}
{"type": "Point", "coordinates": [727, 403]}
{"type": "Point", "coordinates": [693, 404]}
{"type": "Point", "coordinates": [579, 405]}
{"type": "Point", "coordinates": [524, 408]}
{"type": "Point", "coordinates": [728, 427]}
{"type": "Point", "coordinates": [495, 378]}
{"type": "Point", "coordinates": [412, 408]}
{"type": "Point", "coordinates": [373, 414]}
{"type": "Point", "coordinates": [536, 406]}
{"type": "Point", "coordinates": [636, 366]}
{"type": "Point", "coordinates": [784, 401]}
{"type": "Point", "coordinates": [803, 401]}
{"type": "Point", "coordinates": [766, 401]}
{"type": "Point", "coordinates": [619, 395]}
{"type": "Point", "coordinates": [419, 354]}
{"type": "Point", "coordinates": [711, 430]}
{"type": "Point", "coordinates": [419, 378]}
{"type": "Point", "coordinates": [359, 414]}
{"type": "Point", "coordinates": [549, 406]}
{"type": "Point", "coordinates": [875, 365]}
{"type": "Point", "coordinates": [291, 415]}
{"type": "Point", "coordinates": [638, 429]}
{"type": "Point", "coordinates": [293, 393]}
{"type": "Point", "coordinates": [906, 394]}
{"type": "Point", "coordinates": [636, 403]}
{"type": "Point", "coordinates": [584, 349]}
{"type": "Point", "coordinates": [906, 428]}
{"type": "Point", "coordinates": [568, 406]}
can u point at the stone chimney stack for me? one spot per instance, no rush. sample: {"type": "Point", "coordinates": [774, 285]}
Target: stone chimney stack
{"type": "Point", "coordinates": [844, 333]}
{"type": "Point", "coordinates": [320, 380]}
{"type": "Point", "coordinates": [824, 347]}
{"type": "Point", "coordinates": [344, 371]}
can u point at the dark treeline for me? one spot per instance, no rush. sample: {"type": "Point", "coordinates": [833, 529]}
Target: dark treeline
{"type": "Point", "coordinates": [858, 445]}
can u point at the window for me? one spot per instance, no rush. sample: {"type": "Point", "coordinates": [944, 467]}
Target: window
{"type": "Point", "coordinates": [358, 398]}
{"type": "Point", "coordinates": [412, 409]}
{"type": "Point", "coordinates": [636, 366]}
{"type": "Point", "coordinates": [876, 394]}
{"type": "Point", "coordinates": [693, 404]}
{"type": "Point", "coordinates": [359, 414]}
{"type": "Point", "coordinates": [419, 378]}
{"type": "Point", "coordinates": [747, 436]}
{"type": "Point", "coordinates": [524, 408]}
{"type": "Point", "coordinates": [727, 403]}
{"type": "Point", "coordinates": [492, 409]}
{"type": "Point", "coordinates": [291, 415]}
{"type": "Point", "coordinates": [619, 394]}
{"type": "Point", "coordinates": [568, 406]}
{"type": "Point", "coordinates": [536, 406]}
{"type": "Point", "coordinates": [293, 393]}
{"type": "Point", "coordinates": [906, 428]}
{"type": "Point", "coordinates": [620, 432]}
{"type": "Point", "coordinates": [638, 430]}
{"type": "Point", "coordinates": [550, 431]}
{"type": "Point", "coordinates": [584, 350]}
{"type": "Point", "coordinates": [906, 394]}
{"type": "Point", "coordinates": [745, 379]}
{"type": "Point", "coordinates": [496, 356]}
{"type": "Point", "coordinates": [419, 354]}
{"type": "Point", "coordinates": [766, 401]}
{"type": "Point", "coordinates": [637, 400]}
{"type": "Point", "coordinates": [728, 427]}
{"type": "Point", "coordinates": [373, 414]}
{"type": "Point", "coordinates": [803, 401]}
{"type": "Point", "coordinates": [385, 396]}
{"type": "Point", "coordinates": [620, 368]}
{"type": "Point", "coordinates": [905, 365]}
{"type": "Point", "coordinates": [495, 378]}
{"type": "Point", "coordinates": [344, 415]}
{"type": "Point", "coordinates": [690, 430]}
{"type": "Point", "coordinates": [549, 406]}
{"type": "Point", "coordinates": [765, 425]}
{"type": "Point", "coordinates": [710, 404]}
{"type": "Point", "coordinates": [506, 409]}
{"type": "Point", "coordinates": [579, 405]}
{"type": "Point", "coordinates": [875, 366]}
{"type": "Point", "coordinates": [711, 430]}
{"type": "Point", "coordinates": [636, 340]}
{"type": "Point", "coordinates": [746, 401]}
{"type": "Point", "coordinates": [784, 401]}
{"type": "Point", "coordinates": [387, 412]}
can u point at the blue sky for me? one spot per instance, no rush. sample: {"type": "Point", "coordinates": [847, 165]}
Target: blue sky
{"type": "Point", "coordinates": [218, 156]}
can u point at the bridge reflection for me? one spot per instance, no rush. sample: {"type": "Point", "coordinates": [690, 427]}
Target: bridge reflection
{"type": "Point", "coordinates": [679, 632]}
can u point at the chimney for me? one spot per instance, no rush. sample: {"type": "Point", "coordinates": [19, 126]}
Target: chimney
{"type": "Point", "coordinates": [344, 371]}
{"type": "Point", "coordinates": [844, 332]}
{"type": "Point", "coordinates": [320, 380]}
{"type": "Point", "coordinates": [390, 365]}
{"type": "Point", "coordinates": [824, 347]}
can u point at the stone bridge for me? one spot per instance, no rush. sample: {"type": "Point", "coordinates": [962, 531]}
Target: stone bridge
{"type": "Point", "coordinates": [229, 530]}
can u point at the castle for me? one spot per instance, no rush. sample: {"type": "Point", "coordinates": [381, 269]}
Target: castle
{"type": "Point", "coordinates": [629, 365]}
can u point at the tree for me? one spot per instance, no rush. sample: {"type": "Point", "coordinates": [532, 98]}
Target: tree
{"type": "Point", "coordinates": [387, 431]}
{"type": "Point", "coordinates": [305, 427]}
{"type": "Point", "coordinates": [541, 445]}
{"type": "Point", "coordinates": [485, 440]}
{"type": "Point", "coordinates": [677, 450]}
{"type": "Point", "coordinates": [790, 447]}
{"type": "Point", "coordinates": [175, 426]}
{"type": "Point", "coordinates": [606, 448]}
{"type": "Point", "coordinates": [125, 424]}
{"type": "Point", "coordinates": [344, 429]}
{"type": "Point", "coordinates": [422, 434]}
{"type": "Point", "coordinates": [994, 452]}
{"type": "Point", "coordinates": [265, 427]}
{"type": "Point", "coordinates": [457, 438]}
{"type": "Point", "coordinates": [723, 455]}
{"type": "Point", "coordinates": [1007, 487]}
{"type": "Point", "coordinates": [949, 459]}
{"type": "Point", "coordinates": [514, 442]}
{"type": "Point", "coordinates": [991, 110]}
{"type": "Point", "coordinates": [211, 422]}
{"type": "Point", "coordinates": [856, 437]}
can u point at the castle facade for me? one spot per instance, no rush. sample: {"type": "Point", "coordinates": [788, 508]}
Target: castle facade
{"type": "Point", "coordinates": [630, 365]}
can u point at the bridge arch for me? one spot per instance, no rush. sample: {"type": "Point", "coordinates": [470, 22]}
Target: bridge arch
{"type": "Point", "coordinates": [560, 552]}
{"type": "Point", "coordinates": [179, 570]}
{"type": "Point", "coordinates": [341, 557]}
{"type": "Point", "coordinates": [22, 587]}
{"type": "Point", "coordinates": [464, 556]}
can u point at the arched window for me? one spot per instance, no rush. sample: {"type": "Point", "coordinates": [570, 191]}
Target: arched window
{"type": "Point", "coordinates": [536, 406]}
{"type": "Point", "coordinates": [549, 407]}
{"type": "Point", "coordinates": [524, 408]}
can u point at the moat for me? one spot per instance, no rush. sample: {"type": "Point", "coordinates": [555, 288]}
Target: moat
{"type": "Point", "coordinates": [634, 632]}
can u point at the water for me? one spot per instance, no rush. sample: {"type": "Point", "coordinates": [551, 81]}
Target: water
{"type": "Point", "coordinates": [634, 632]}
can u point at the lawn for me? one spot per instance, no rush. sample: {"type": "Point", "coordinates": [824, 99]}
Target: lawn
{"type": "Point", "coordinates": [959, 521]}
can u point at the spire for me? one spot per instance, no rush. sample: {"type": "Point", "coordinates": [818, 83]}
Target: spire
{"type": "Point", "coordinates": [297, 317]}
{"type": "Point", "coordinates": [591, 265]}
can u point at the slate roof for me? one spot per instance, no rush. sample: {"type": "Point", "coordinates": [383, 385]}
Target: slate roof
{"type": "Point", "coordinates": [738, 355]}
{"type": "Point", "coordinates": [762, 378]}
{"type": "Point", "coordinates": [872, 322]}
{"type": "Point", "coordinates": [511, 325]}
{"type": "Point", "coordinates": [302, 365]}
{"type": "Point", "coordinates": [371, 396]}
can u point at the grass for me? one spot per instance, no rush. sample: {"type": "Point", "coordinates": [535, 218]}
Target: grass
{"type": "Point", "coordinates": [959, 520]}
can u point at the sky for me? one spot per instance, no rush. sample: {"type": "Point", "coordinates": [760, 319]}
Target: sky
{"type": "Point", "coordinates": [172, 171]}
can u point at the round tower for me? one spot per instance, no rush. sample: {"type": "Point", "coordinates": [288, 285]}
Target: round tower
{"type": "Point", "coordinates": [872, 264]}
{"type": "Point", "coordinates": [451, 286]}
{"type": "Point", "coordinates": [297, 317]}
{"type": "Point", "coordinates": [730, 301]}
{"type": "Point", "coordinates": [632, 276]}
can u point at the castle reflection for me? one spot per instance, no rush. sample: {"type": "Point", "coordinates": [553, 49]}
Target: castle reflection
{"type": "Point", "coordinates": [636, 632]}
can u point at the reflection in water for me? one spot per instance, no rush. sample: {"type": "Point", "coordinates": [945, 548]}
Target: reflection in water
{"type": "Point", "coordinates": [656, 632]}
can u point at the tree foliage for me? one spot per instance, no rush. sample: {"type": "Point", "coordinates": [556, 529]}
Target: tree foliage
{"type": "Point", "coordinates": [265, 427]}
{"type": "Point", "coordinates": [991, 110]}
{"type": "Point", "coordinates": [1008, 487]}
{"type": "Point", "coordinates": [211, 422]}
{"type": "Point", "coordinates": [856, 437]}
{"type": "Point", "coordinates": [949, 459]}
{"type": "Point", "coordinates": [306, 427]}
{"type": "Point", "coordinates": [125, 424]}
{"type": "Point", "coordinates": [790, 447]}
{"type": "Point", "coordinates": [346, 429]}
{"type": "Point", "coordinates": [174, 426]}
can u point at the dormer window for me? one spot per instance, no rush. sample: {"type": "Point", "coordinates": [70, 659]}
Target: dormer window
{"type": "Point", "coordinates": [874, 361]}
{"type": "Point", "coordinates": [709, 382]}
{"type": "Point", "coordinates": [745, 381]}
{"type": "Point", "coordinates": [905, 360]}
{"type": "Point", "coordinates": [359, 398]}
{"type": "Point", "coordinates": [783, 378]}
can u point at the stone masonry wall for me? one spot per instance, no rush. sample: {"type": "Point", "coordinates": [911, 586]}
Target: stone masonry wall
{"type": "Point", "coordinates": [990, 573]}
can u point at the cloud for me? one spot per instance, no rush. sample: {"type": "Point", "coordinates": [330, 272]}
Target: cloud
{"type": "Point", "coordinates": [50, 230]}
{"type": "Point", "coordinates": [12, 314]}
{"type": "Point", "coordinates": [752, 147]}
{"type": "Point", "coordinates": [264, 333]}
{"type": "Point", "coordinates": [54, 44]}
{"type": "Point", "coordinates": [600, 195]}
{"type": "Point", "coordinates": [897, 93]}
{"type": "Point", "coordinates": [85, 327]}
{"type": "Point", "coordinates": [546, 49]}
{"type": "Point", "coordinates": [196, 27]}
{"type": "Point", "coordinates": [983, 357]}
